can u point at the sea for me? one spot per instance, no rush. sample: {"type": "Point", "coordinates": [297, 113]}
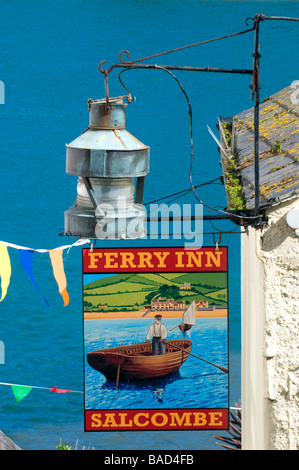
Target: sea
{"type": "Point", "coordinates": [49, 57]}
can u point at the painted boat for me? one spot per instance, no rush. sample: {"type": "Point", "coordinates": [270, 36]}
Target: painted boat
{"type": "Point", "coordinates": [135, 362]}
{"type": "Point", "coordinates": [188, 318]}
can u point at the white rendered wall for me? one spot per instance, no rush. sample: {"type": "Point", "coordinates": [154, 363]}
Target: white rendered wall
{"type": "Point", "coordinates": [252, 365]}
{"type": "Point", "coordinates": [270, 362]}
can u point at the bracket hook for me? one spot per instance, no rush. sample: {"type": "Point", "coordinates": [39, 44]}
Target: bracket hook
{"type": "Point", "coordinates": [105, 72]}
{"type": "Point", "coordinates": [217, 243]}
{"type": "Point", "coordinates": [92, 245]}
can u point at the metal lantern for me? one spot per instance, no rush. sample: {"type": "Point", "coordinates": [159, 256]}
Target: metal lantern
{"type": "Point", "coordinates": [111, 165]}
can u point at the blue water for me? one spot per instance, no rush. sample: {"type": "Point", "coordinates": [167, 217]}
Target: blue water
{"type": "Point", "coordinates": [49, 53]}
{"type": "Point", "coordinates": [196, 385]}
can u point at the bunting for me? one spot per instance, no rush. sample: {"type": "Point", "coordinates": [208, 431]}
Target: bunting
{"type": "Point", "coordinates": [21, 391]}
{"type": "Point", "coordinates": [5, 270]}
{"type": "Point", "coordinates": [59, 390]}
{"type": "Point", "coordinates": [26, 258]}
{"type": "Point", "coordinates": [58, 271]}
{"type": "Point", "coordinates": [26, 261]}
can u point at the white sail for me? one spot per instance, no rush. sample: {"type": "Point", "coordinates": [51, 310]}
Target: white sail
{"type": "Point", "coordinates": [189, 315]}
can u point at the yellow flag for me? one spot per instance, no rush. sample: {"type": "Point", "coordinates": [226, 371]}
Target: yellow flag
{"type": "Point", "coordinates": [58, 271]}
{"type": "Point", "coordinates": [5, 270]}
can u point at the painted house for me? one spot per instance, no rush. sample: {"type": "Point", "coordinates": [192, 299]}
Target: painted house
{"type": "Point", "coordinates": [167, 304]}
{"type": "Point", "coordinates": [186, 286]}
{"type": "Point", "coordinates": [269, 267]}
{"type": "Point", "coordinates": [202, 304]}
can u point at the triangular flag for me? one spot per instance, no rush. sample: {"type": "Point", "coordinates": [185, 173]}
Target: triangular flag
{"type": "Point", "coordinates": [20, 391]}
{"type": "Point", "coordinates": [5, 270]}
{"type": "Point", "coordinates": [26, 258]}
{"type": "Point", "coordinates": [59, 390]}
{"type": "Point", "coordinates": [58, 271]}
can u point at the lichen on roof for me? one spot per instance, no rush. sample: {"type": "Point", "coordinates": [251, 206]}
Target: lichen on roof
{"type": "Point", "coordinates": [279, 149]}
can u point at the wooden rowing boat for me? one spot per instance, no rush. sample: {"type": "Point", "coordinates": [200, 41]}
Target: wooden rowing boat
{"type": "Point", "coordinates": [135, 362]}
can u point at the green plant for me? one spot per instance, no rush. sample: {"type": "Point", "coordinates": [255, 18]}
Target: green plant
{"type": "Point", "coordinates": [227, 128]}
{"type": "Point", "coordinates": [63, 447]}
{"type": "Point", "coordinates": [234, 187]}
{"type": "Point", "coordinates": [232, 441]}
{"type": "Point", "coordinates": [233, 183]}
{"type": "Point", "coordinates": [275, 168]}
{"type": "Point", "coordinates": [276, 147]}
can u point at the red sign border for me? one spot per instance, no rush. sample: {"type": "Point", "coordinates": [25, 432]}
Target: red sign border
{"type": "Point", "coordinates": [180, 259]}
{"type": "Point", "coordinates": [157, 419]}
{"type": "Point", "coordinates": [225, 411]}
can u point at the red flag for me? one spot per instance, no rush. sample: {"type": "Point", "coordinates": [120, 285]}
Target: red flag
{"type": "Point", "coordinates": [59, 390]}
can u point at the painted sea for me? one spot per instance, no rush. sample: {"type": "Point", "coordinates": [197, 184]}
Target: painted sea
{"type": "Point", "coordinates": [196, 384]}
{"type": "Point", "coordinates": [50, 53]}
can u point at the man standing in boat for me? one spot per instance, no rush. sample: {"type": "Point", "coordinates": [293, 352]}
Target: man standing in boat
{"type": "Point", "coordinates": [158, 333]}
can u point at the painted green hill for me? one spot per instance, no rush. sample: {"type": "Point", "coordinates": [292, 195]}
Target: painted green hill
{"type": "Point", "coordinates": [208, 280]}
{"type": "Point", "coordinates": [131, 290]}
{"type": "Point", "coordinates": [118, 278]}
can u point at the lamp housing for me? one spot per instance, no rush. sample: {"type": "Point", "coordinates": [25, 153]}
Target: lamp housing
{"type": "Point", "coordinates": [111, 165]}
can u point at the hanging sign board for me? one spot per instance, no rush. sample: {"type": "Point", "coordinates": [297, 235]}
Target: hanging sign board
{"type": "Point", "coordinates": [155, 339]}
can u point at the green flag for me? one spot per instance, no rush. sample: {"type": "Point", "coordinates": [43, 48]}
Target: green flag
{"type": "Point", "coordinates": [20, 391]}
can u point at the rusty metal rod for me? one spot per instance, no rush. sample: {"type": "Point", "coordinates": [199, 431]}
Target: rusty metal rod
{"type": "Point", "coordinates": [171, 218]}
{"type": "Point", "coordinates": [256, 92]}
{"type": "Point", "coordinates": [284, 18]}
{"type": "Point", "coordinates": [182, 47]}
{"type": "Point", "coordinates": [185, 68]}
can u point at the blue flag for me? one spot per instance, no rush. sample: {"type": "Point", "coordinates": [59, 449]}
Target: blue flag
{"type": "Point", "coordinates": [26, 257]}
